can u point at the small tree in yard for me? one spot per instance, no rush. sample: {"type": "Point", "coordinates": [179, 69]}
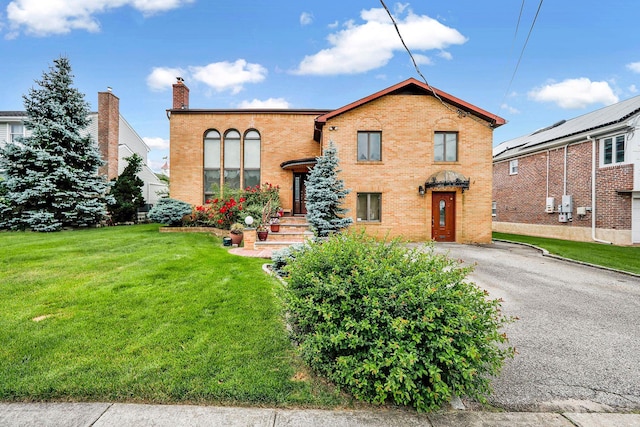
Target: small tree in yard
{"type": "Point", "coordinates": [127, 191]}
{"type": "Point", "coordinates": [325, 194]}
{"type": "Point", "coordinates": [52, 176]}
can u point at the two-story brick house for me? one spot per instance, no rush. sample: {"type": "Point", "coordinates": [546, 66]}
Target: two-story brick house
{"type": "Point", "coordinates": [578, 179]}
{"type": "Point", "coordinates": [417, 160]}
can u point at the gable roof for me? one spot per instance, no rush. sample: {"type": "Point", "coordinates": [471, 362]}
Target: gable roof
{"type": "Point", "coordinates": [412, 85]}
{"type": "Point", "coordinates": [574, 129]}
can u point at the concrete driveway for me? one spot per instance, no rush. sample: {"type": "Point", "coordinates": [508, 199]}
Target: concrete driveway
{"type": "Point", "coordinates": [578, 337]}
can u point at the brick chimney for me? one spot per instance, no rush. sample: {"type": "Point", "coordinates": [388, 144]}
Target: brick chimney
{"type": "Point", "coordinates": [180, 95]}
{"type": "Point", "coordinates": [108, 132]}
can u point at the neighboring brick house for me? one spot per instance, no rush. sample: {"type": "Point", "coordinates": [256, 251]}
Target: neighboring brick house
{"type": "Point", "coordinates": [417, 164]}
{"type": "Point", "coordinates": [577, 179]}
{"type": "Point", "coordinates": [116, 140]}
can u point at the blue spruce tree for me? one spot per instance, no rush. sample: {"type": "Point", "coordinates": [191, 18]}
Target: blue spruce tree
{"type": "Point", "coordinates": [325, 194]}
{"type": "Point", "coordinates": [52, 179]}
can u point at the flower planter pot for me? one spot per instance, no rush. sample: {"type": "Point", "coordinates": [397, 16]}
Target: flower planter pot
{"type": "Point", "coordinates": [262, 235]}
{"type": "Point", "coordinates": [275, 228]}
{"type": "Point", "coordinates": [236, 239]}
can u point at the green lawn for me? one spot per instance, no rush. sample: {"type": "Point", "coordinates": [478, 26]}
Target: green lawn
{"type": "Point", "coordinates": [626, 258]}
{"type": "Point", "coordinates": [131, 314]}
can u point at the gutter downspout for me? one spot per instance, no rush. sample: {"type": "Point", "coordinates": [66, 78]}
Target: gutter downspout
{"type": "Point", "coordinates": [593, 192]}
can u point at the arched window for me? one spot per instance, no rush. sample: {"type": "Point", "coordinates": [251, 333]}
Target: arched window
{"type": "Point", "coordinates": [251, 159]}
{"type": "Point", "coordinates": [232, 159]}
{"type": "Point", "coordinates": [211, 163]}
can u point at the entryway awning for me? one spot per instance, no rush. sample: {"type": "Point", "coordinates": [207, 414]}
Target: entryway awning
{"type": "Point", "coordinates": [447, 178]}
{"type": "Point", "coordinates": [298, 163]}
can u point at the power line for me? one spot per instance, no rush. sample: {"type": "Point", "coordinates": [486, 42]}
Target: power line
{"type": "Point", "coordinates": [415, 64]}
{"type": "Point", "coordinates": [513, 76]}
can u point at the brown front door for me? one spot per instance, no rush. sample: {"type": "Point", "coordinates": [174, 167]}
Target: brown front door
{"type": "Point", "coordinates": [299, 193]}
{"type": "Point", "coordinates": [443, 217]}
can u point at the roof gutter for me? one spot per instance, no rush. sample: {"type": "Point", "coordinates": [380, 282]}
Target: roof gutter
{"type": "Point", "coordinates": [594, 161]}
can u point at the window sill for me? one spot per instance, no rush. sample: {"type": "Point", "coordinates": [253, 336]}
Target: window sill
{"type": "Point", "coordinates": [446, 163]}
{"type": "Point", "coordinates": [369, 162]}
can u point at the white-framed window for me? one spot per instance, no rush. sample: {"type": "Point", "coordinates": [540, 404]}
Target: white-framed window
{"type": "Point", "coordinates": [369, 206]}
{"type": "Point", "coordinates": [232, 158]}
{"type": "Point", "coordinates": [369, 146]}
{"type": "Point", "coordinates": [211, 163]}
{"type": "Point", "coordinates": [494, 208]}
{"type": "Point", "coordinates": [445, 147]}
{"type": "Point", "coordinates": [251, 165]}
{"type": "Point", "coordinates": [513, 167]}
{"type": "Point", "coordinates": [16, 130]}
{"type": "Point", "coordinates": [613, 150]}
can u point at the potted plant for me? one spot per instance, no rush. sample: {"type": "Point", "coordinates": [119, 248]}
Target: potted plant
{"type": "Point", "coordinates": [236, 232]}
{"type": "Point", "coordinates": [261, 229]}
{"type": "Point", "coordinates": [274, 223]}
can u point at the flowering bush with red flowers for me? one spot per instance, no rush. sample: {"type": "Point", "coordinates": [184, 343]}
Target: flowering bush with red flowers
{"type": "Point", "coordinates": [221, 212]}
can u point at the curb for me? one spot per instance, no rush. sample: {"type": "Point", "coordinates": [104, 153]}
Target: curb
{"type": "Point", "coordinates": [546, 253]}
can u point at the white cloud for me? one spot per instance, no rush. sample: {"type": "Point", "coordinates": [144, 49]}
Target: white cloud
{"type": "Point", "coordinates": [575, 93]}
{"type": "Point", "coordinates": [445, 55]}
{"type": "Point", "coordinates": [333, 25]}
{"type": "Point", "coordinates": [367, 46]}
{"type": "Point", "coordinates": [223, 76]}
{"type": "Point", "coordinates": [634, 66]}
{"type": "Point", "coordinates": [42, 18]}
{"type": "Point", "coordinates": [422, 59]}
{"type": "Point", "coordinates": [633, 89]}
{"type": "Point", "coordinates": [306, 18]}
{"type": "Point", "coordinates": [162, 78]}
{"type": "Point", "coordinates": [156, 142]}
{"type": "Point", "coordinates": [510, 109]}
{"type": "Point", "coordinates": [267, 103]}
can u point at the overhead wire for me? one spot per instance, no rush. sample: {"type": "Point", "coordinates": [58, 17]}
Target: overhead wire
{"type": "Point", "coordinates": [415, 64]}
{"type": "Point", "coordinates": [515, 70]}
{"type": "Point", "coordinates": [417, 68]}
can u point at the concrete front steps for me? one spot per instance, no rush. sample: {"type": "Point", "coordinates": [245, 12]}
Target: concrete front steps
{"type": "Point", "coordinates": [293, 230]}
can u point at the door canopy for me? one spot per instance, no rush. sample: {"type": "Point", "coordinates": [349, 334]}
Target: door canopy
{"type": "Point", "coordinates": [447, 179]}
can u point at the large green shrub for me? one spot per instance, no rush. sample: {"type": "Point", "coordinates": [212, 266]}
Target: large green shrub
{"type": "Point", "coordinates": [169, 211]}
{"type": "Point", "coordinates": [390, 324]}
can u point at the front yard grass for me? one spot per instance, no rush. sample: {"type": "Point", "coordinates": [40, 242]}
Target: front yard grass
{"type": "Point", "coordinates": [131, 314]}
{"type": "Point", "coordinates": [625, 258]}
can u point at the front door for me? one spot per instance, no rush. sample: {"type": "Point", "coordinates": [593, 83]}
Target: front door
{"type": "Point", "coordinates": [300, 193]}
{"type": "Point", "coordinates": [443, 217]}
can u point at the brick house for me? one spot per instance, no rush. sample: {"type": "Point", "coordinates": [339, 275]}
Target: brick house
{"type": "Point", "coordinates": [115, 137]}
{"type": "Point", "coordinates": [416, 159]}
{"type": "Point", "coordinates": [576, 179]}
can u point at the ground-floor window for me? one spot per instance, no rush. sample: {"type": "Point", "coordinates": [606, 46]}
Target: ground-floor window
{"type": "Point", "coordinates": [369, 206]}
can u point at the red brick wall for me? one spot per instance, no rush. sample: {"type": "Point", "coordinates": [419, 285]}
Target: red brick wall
{"type": "Point", "coordinates": [521, 198]}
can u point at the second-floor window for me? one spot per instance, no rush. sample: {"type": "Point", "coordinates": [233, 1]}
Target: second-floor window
{"type": "Point", "coordinates": [17, 130]}
{"type": "Point", "coordinates": [513, 167]}
{"type": "Point", "coordinates": [369, 146]}
{"type": "Point", "coordinates": [445, 147]}
{"type": "Point", "coordinates": [613, 150]}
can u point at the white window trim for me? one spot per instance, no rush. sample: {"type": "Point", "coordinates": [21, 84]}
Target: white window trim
{"type": "Point", "coordinates": [601, 151]}
{"type": "Point", "coordinates": [512, 170]}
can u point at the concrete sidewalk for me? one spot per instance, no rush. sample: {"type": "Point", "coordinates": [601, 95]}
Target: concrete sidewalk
{"type": "Point", "coordinates": [121, 414]}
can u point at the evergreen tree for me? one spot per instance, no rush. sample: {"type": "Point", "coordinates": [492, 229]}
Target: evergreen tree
{"type": "Point", "coordinates": [52, 176]}
{"type": "Point", "coordinates": [127, 191]}
{"type": "Point", "coordinates": [325, 194]}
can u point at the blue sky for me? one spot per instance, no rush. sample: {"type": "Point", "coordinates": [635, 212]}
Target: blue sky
{"type": "Point", "coordinates": [581, 55]}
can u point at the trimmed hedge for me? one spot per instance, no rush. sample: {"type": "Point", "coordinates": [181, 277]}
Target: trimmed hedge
{"type": "Point", "coordinates": [391, 324]}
